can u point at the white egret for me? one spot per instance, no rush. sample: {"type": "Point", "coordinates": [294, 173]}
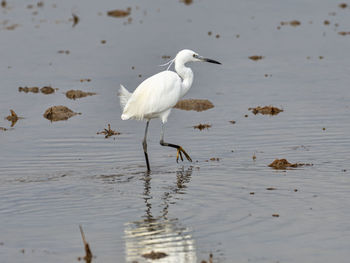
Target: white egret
{"type": "Point", "coordinates": [157, 95]}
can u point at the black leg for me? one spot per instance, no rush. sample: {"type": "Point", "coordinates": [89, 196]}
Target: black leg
{"type": "Point", "coordinates": [144, 144]}
{"type": "Point", "coordinates": [180, 150]}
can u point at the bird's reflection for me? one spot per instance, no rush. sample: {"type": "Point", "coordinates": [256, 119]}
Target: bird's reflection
{"type": "Point", "coordinates": [160, 234]}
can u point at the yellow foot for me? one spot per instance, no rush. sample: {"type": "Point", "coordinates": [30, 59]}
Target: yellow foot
{"type": "Point", "coordinates": [179, 153]}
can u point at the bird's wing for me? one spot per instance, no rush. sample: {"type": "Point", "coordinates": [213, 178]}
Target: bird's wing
{"type": "Point", "coordinates": [154, 95]}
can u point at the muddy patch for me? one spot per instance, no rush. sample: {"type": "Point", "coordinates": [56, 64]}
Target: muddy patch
{"type": "Point", "coordinates": [266, 110]}
{"type": "Point", "coordinates": [194, 104]}
{"type": "Point", "coordinates": [59, 113]}
{"type": "Point", "coordinates": [109, 132]}
{"type": "Point", "coordinates": [256, 57]}
{"type": "Point", "coordinates": [282, 164]}
{"type": "Point", "coordinates": [202, 126]}
{"type": "Point", "coordinates": [76, 94]}
{"type": "Point", "coordinates": [119, 12]}
{"type": "Point", "coordinates": [155, 255]}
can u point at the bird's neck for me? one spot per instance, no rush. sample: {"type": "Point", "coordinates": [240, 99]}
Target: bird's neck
{"type": "Point", "coordinates": [187, 77]}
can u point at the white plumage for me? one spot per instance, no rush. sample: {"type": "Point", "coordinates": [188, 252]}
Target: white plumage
{"type": "Point", "coordinates": [157, 95]}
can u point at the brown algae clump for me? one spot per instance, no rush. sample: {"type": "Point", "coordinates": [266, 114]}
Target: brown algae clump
{"type": "Point", "coordinates": [194, 104]}
{"type": "Point", "coordinates": [59, 113]}
{"type": "Point", "coordinates": [155, 255]}
{"type": "Point", "coordinates": [76, 94]}
{"type": "Point", "coordinates": [109, 132]}
{"type": "Point", "coordinates": [270, 110]}
{"type": "Point", "coordinates": [256, 57]}
{"type": "Point", "coordinates": [47, 90]}
{"type": "Point", "coordinates": [282, 164]}
{"type": "Point", "coordinates": [202, 126]}
{"type": "Point", "coordinates": [13, 118]}
{"type": "Point", "coordinates": [119, 13]}
{"type": "Point", "coordinates": [27, 89]}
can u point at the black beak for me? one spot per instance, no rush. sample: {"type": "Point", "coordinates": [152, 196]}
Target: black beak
{"type": "Point", "coordinates": [211, 61]}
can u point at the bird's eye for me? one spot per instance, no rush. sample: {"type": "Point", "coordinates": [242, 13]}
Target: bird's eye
{"type": "Point", "coordinates": [194, 55]}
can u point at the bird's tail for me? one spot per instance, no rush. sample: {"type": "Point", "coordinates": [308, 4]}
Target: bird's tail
{"type": "Point", "coordinates": [124, 95]}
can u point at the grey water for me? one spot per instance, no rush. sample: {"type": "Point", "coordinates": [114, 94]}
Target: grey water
{"type": "Point", "coordinates": [55, 176]}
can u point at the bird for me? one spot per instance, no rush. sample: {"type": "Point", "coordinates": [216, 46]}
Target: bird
{"type": "Point", "coordinates": [158, 94]}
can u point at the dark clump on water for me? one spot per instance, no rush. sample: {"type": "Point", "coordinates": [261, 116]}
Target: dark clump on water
{"type": "Point", "coordinates": [13, 118]}
{"type": "Point", "coordinates": [119, 12]}
{"type": "Point", "coordinates": [109, 132]}
{"type": "Point", "coordinates": [266, 110]}
{"type": "Point", "coordinates": [155, 255]}
{"type": "Point", "coordinates": [88, 254]}
{"type": "Point", "coordinates": [256, 57]}
{"type": "Point", "coordinates": [76, 94]}
{"type": "Point", "coordinates": [282, 164]}
{"type": "Point", "coordinates": [59, 113]}
{"type": "Point", "coordinates": [194, 104]}
{"type": "Point", "coordinates": [202, 126]}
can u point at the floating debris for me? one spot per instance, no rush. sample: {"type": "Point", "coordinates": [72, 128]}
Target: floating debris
{"type": "Point", "coordinates": [252, 193]}
{"type": "Point", "coordinates": [326, 22]}
{"type": "Point", "coordinates": [291, 23]}
{"type": "Point", "coordinates": [282, 164]}
{"type": "Point", "coordinates": [233, 122]}
{"type": "Point", "coordinates": [103, 41]}
{"type": "Point", "coordinates": [85, 80]}
{"type": "Point", "coordinates": [12, 27]}
{"type": "Point", "coordinates": [3, 3]}
{"type": "Point", "coordinates": [194, 104]}
{"type": "Point", "coordinates": [214, 159]}
{"type": "Point", "coordinates": [26, 89]}
{"type": "Point", "coordinates": [166, 57]}
{"type": "Point", "coordinates": [270, 110]}
{"type": "Point", "coordinates": [3, 129]}
{"type": "Point", "coordinates": [343, 5]}
{"type": "Point", "coordinates": [75, 20]}
{"type": "Point", "coordinates": [275, 215]}
{"type": "Point", "coordinates": [109, 132]}
{"type": "Point", "coordinates": [13, 118]}
{"type": "Point", "coordinates": [210, 259]}
{"type": "Point", "coordinates": [63, 52]}
{"type": "Point", "coordinates": [76, 94]}
{"type": "Point", "coordinates": [343, 33]}
{"type": "Point", "coordinates": [155, 255]}
{"type": "Point", "coordinates": [202, 126]}
{"type": "Point", "coordinates": [59, 113]}
{"type": "Point", "coordinates": [270, 188]}
{"type": "Point", "coordinates": [47, 90]}
{"type": "Point", "coordinates": [256, 57]}
{"type": "Point", "coordinates": [88, 254]}
{"type": "Point", "coordinates": [217, 36]}
{"type": "Point", "coordinates": [254, 157]}
{"type": "Point", "coordinates": [119, 13]}
{"type": "Point", "coordinates": [209, 33]}
{"type": "Point", "coordinates": [186, 2]}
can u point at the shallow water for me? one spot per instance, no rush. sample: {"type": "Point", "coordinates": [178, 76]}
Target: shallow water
{"type": "Point", "coordinates": [55, 176]}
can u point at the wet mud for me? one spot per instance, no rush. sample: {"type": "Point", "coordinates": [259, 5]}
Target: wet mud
{"type": "Point", "coordinates": [77, 94]}
{"type": "Point", "coordinates": [194, 104]}
{"type": "Point", "coordinates": [59, 113]}
{"type": "Point", "coordinates": [266, 110]}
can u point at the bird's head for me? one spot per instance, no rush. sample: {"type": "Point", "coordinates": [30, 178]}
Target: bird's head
{"type": "Point", "coordinates": [187, 55]}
